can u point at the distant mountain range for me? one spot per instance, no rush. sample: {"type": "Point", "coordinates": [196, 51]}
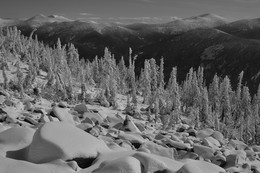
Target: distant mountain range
{"type": "Point", "coordinates": [208, 40]}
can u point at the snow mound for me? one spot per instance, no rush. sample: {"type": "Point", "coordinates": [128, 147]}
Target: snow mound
{"type": "Point", "coordinates": [63, 114]}
{"type": "Point", "coordinates": [198, 166]}
{"type": "Point", "coordinates": [14, 142]}
{"type": "Point", "coordinates": [16, 166]}
{"type": "Point", "coordinates": [57, 140]}
{"type": "Point", "coordinates": [126, 165]}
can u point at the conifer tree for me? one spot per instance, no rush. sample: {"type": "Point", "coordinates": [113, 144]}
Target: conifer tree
{"type": "Point", "coordinates": [132, 76]}
{"type": "Point", "coordinates": [240, 78]}
{"type": "Point", "coordinates": [5, 77]}
{"type": "Point", "coordinates": [214, 100]}
{"type": "Point", "coordinates": [96, 75]}
{"type": "Point", "coordinates": [200, 78]}
{"type": "Point", "coordinates": [246, 106]}
{"type": "Point", "coordinates": [146, 82]}
{"type": "Point", "coordinates": [28, 81]}
{"type": "Point", "coordinates": [19, 74]}
{"type": "Point", "coordinates": [154, 75]}
{"type": "Point", "coordinates": [225, 101]}
{"type": "Point", "coordinates": [204, 117]}
{"type": "Point", "coordinates": [161, 75]}
{"type": "Point", "coordinates": [238, 109]}
{"type": "Point", "coordinates": [122, 75]}
{"type": "Point", "coordinates": [255, 118]}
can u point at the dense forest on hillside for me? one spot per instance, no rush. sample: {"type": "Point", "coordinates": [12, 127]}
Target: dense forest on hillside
{"type": "Point", "coordinates": [233, 111]}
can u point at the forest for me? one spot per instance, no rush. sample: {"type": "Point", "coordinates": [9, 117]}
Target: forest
{"type": "Point", "coordinates": [232, 111]}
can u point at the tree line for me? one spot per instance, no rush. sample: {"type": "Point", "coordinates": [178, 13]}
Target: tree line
{"type": "Point", "coordinates": [234, 112]}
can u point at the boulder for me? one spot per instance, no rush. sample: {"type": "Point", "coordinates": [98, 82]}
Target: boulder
{"type": "Point", "coordinates": [129, 125]}
{"type": "Point", "coordinates": [81, 108]}
{"type": "Point", "coordinates": [121, 165]}
{"type": "Point", "coordinates": [134, 138]}
{"type": "Point", "coordinates": [204, 133]}
{"type": "Point", "coordinates": [203, 151]}
{"type": "Point", "coordinates": [58, 140]}
{"type": "Point", "coordinates": [175, 144]}
{"type": "Point", "coordinates": [158, 149]}
{"type": "Point", "coordinates": [63, 114]}
{"type": "Point", "coordinates": [218, 136]}
{"type": "Point", "coordinates": [198, 166]}
{"type": "Point", "coordinates": [14, 142]}
{"type": "Point", "coordinates": [233, 160]}
{"type": "Point", "coordinates": [63, 104]}
{"type": "Point", "coordinates": [95, 117]}
{"type": "Point", "coordinates": [150, 163]}
{"type": "Point", "coordinates": [239, 145]}
{"type": "Point", "coordinates": [85, 126]}
{"type": "Point", "coordinates": [211, 142]}
{"type": "Point", "coordinates": [18, 166]}
{"type": "Point", "coordinates": [2, 99]}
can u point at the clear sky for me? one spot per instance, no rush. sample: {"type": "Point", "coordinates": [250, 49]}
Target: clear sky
{"type": "Point", "coordinates": [104, 9]}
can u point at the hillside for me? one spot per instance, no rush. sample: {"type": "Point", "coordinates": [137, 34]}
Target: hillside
{"type": "Point", "coordinates": [65, 115]}
{"type": "Point", "coordinates": [249, 29]}
{"type": "Point", "coordinates": [207, 40]}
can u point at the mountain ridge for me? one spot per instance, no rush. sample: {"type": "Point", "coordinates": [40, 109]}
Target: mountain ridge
{"type": "Point", "coordinates": [206, 40]}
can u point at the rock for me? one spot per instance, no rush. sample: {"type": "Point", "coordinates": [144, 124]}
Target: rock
{"type": "Point", "coordinates": [14, 142]}
{"type": "Point", "coordinates": [85, 126]}
{"type": "Point", "coordinates": [219, 160]}
{"type": "Point", "coordinates": [2, 99]}
{"type": "Point", "coordinates": [104, 103]}
{"type": "Point", "coordinates": [63, 104]}
{"type": "Point", "coordinates": [205, 133]}
{"type": "Point", "coordinates": [126, 145]}
{"type": "Point", "coordinates": [182, 128]}
{"type": "Point", "coordinates": [81, 108]}
{"type": "Point", "coordinates": [239, 169]}
{"type": "Point", "coordinates": [44, 119]}
{"type": "Point", "coordinates": [140, 126]}
{"type": "Point", "coordinates": [132, 137]}
{"type": "Point", "coordinates": [175, 144]}
{"type": "Point", "coordinates": [89, 121]}
{"type": "Point", "coordinates": [187, 155]}
{"type": "Point", "coordinates": [197, 166]}
{"type": "Point", "coordinates": [150, 163]}
{"type": "Point", "coordinates": [112, 133]}
{"type": "Point", "coordinates": [256, 148]}
{"type": "Point", "coordinates": [159, 136]}
{"type": "Point", "coordinates": [18, 166]}
{"type": "Point", "coordinates": [28, 106]}
{"type": "Point", "coordinates": [211, 142]}
{"type": "Point", "coordinates": [192, 132]}
{"type": "Point", "coordinates": [203, 151]}
{"type": "Point", "coordinates": [250, 154]}
{"type": "Point", "coordinates": [94, 132]}
{"type": "Point", "coordinates": [255, 169]}
{"type": "Point", "coordinates": [63, 115]}
{"type": "Point", "coordinates": [58, 140]}
{"type": "Point", "coordinates": [175, 138]}
{"type": "Point", "coordinates": [31, 120]}
{"type": "Point", "coordinates": [115, 147]}
{"type": "Point", "coordinates": [239, 145]}
{"type": "Point", "coordinates": [121, 165]}
{"type": "Point", "coordinates": [12, 114]}
{"type": "Point", "coordinates": [4, 93]}
{"type": "Point", "coordinates": [158, 149]}
{"type": "Point", "coordinates": [218, 136]}
{"type": "Point", "coordinates": [9, 102]}
{"type": "Point", "coordinates": [95, 117]}
{"type": "Point", "coordinates": [129, 125]}
{"type": "Point", "coordinates": [233, 160]}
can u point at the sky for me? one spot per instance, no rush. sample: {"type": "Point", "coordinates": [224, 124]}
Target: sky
{"type": "Point", "coordinates": [130, 9]}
